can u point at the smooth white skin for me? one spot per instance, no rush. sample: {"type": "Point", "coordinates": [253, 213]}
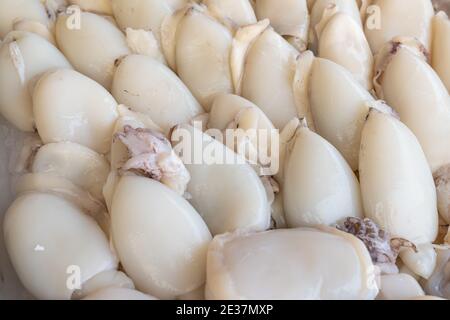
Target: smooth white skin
{"type": "Point", "coordinates": [149, 87]}
{"type": "Point", "coordinates": [238, 12]}
{"type": "Point", "coordinates": [292, 264]}
{"type": "Point", "coordinates": [343, 41]}
{"type": "Point", "coordinates": [131, 116]}
{"type": "Point", "coordinates": [422, 101]}
{"type": "Point", "coordinates": [232, 111]}
{"type": "Point", "coordinates": [405, 269]}
{"type": "Point", "coordinates": [243, 39]}
{"type": "Point", "coordinates": [83, 166]}
{"type": "Point", "coordinates": [441, 48]}
{"type": "Point", "coordinates": [144, 14]}
{"type": "Point", "coordinates": [202, 56]}
{"type": "Point", "coordinates": [422, 262]}
{"type": "Point", "coordinates": [339, 105]}
{"type": "Point", "coordinates": [348, 7]}
{"type": "Point", "coordinates": [69, 106]}
{"type": "Point", "coordinates": [97, 6]}
{"type": "Point", "coordinates": [287, 17]}
{"type": "Point", "coordinates": [269, 75]}
{"type": "Point", "coordinates": [113, 293]}
{"type": "Point", "coordinates": [169, 28]}
{"type": "Point", "coordinates": [228, 196]}
{"type": "Point", "coordinates": [416, 17]}
{"type": "Point", "coordinates": [44, 235]}
{"type": "Point", "coordinates": [399, 287]}
{"type": "Point", "coordinates": [13, 10]}
{"type": "Point", "coordinates": [397, 186]}
{"type": "Point", "coordinates": [160, 239]}
{"type": "Point", "coordinates": [144, 42]}
{"type": "Point", "coordinates": [93, 48]}
{"type": "Point", "coordinates": [61, 187]}
{"type": "Point", "coordinates": [35, 57]}
{"type": "Point", "coordinates": [35, 27]}
{"type": "Point", "coordinates": [227, 106]}
{"type": "Point", "coordinates": [319, 186]}
{"type": "Point", "coordinates": [388, 145]}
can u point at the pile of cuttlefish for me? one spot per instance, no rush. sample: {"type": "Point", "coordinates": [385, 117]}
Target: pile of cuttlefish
{"type": "Point", "coordinates": [108, 207]}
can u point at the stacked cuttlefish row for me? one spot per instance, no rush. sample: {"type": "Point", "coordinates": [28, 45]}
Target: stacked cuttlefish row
{"type": "Point", "coordinates": [105, 191]}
